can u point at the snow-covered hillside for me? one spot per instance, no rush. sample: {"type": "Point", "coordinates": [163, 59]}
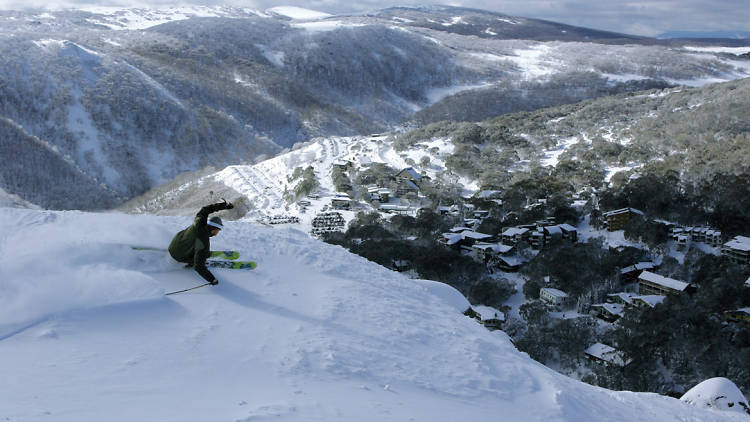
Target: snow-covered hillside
{"type": "Point", "coordinates": [266, 183]}
{"type": "Point", "coordinates": [123, 100]}
{"type": "Point", "coordinates": [313, 334]}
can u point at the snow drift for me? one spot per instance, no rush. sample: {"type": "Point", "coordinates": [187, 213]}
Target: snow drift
{"type": "Point", "coordinates": [314, 333]}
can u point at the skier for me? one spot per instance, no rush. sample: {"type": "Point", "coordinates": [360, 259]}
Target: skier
{"type": "Point", "coordinates": [193, 246]}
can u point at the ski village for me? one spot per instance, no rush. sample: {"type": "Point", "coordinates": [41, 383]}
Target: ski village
{"type": "Point", "coordinates": [583, 260]}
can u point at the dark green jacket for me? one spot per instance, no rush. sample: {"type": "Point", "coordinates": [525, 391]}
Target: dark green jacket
{"type": "Point", "coordinates": [192, 245]}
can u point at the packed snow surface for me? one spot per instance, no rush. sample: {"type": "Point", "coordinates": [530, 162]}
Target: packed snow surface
{"type": "Point", "coordinates": [718, 393]}
{"type": "Point", "coordinates": [314, 333]}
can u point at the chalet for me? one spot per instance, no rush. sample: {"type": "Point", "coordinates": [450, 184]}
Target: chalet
{"type": "Point", "coordinates": [480, 213]}
{"type": "Point", "coordinates": [647, 300]}
{"type": "Point", "coordinates": [483, 251]}
{"type": "Point", "coordinates": [569, 232]}
{"type": "Point", "coordinates": [343, 165]}
{"type": "Point", "coordinates": [617, 219]}
{"type": "Point", "coordinates": [341, 201]}
{"type": "Point", "coordinates": [554, 298]}
{"type": "Point", "coordinates": [507, 263]}
{"type": "Point", "coordinates": [655, 284]}
{"type": "Point", "coordinates": [464, 238]}
{"type": "Point", "coordinates": [537, 239]}
{"type": "Point", "coordinates": [740, 317]}
{"type": "Point", "coordinates": [395, 209]}
{"type": "Point", "coordinates": [631, 273]}
{"type": "Point", "coordinates": [408, 181]}
{"type": "Point", "coordinates": [490, 317]}
{"type": "Point", "coordinates": [737, 249]}
{"type": "Point", "coordinates": [609, 312]}
{"type": "Point", "coordinates": [607, 355]}
{"type": "Point", "coordinates": [379, 194]}
{"type": "Point", "coordinates": [625, 299]}
{"type": "Point", "coordinates": [514, 235]}
{"type": "Point", "coordinates": [445, 210]}
{"type": "Point", "coordinates": [714, 238]}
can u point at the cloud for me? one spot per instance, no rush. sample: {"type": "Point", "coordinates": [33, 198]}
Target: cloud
{"type": "Point", "coordinates": [639, 17]}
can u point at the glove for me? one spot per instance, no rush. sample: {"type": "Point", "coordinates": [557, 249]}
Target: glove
{"type": "Point", "coordinates": [227, 205]}
{"type": "Point", "coordinates": [213, 282]}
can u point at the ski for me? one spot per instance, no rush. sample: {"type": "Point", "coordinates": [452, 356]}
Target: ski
{"type": "Point", "coordinates": [214, 254]}
{"type": "Point", "coordinates": [234, 265]}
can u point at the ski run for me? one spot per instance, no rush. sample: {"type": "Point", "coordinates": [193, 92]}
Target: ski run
{"type": "Point", "coordinates": [313, 334]}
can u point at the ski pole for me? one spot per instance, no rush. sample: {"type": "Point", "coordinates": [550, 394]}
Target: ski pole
{"type": "Point", "coordinates": [186, 290]}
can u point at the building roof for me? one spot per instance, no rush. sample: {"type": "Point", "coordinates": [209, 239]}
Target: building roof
{"type": "Point", "coordinates": [605, 353]}
{"type": "Point", "coordinates": [623, 211]}
{"type": "Point", "coordinates": [512, 261]}
{"type": "Point", "coordinates": [555, 292]}
{"type": "Point", "coordinates": [394, 207]}
{"type": "Point", "coordinates": [612, 308]}
{"type": "Point", "coordinates": [663, 281]}
{"type": "Point", "coordinates": [650, 300]}
{"type": "Point", "coordinates": [452, 238]}
{"type": "Point", "coordinates": [497, 247]}
{"type": "Point", "coordinates": [514, 231]}
{"type": "Point", "coordinates": [487, 312]}
{"type": "Point", "coordinates": [567, 227]}
{"type": "Point", "coordinates": [475, 235]}
{"type": "Point", "coordinates": [638, 266]}
{"type": "Point", "coordinates": [740, 243]}
{"type": "Point", "coordinates": [625, 297]}
{"type": "Point", "coordinates": [411, 173]}
{"type": "Point", "coordinates": [554, 230]}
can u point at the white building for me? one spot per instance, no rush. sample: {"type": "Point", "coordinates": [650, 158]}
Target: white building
{"type": "Point", "coordinates": [553, 297]}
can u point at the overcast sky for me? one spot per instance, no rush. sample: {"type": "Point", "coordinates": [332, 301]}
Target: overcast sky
{"type": "Point", "coordinates": [638, 17]}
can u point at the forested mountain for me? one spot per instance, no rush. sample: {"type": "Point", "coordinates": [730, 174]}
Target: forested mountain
{"type": "Point", "coordinates": [125, 100]}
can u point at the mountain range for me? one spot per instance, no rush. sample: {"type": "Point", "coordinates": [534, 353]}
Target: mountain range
{"type": "Point", "coordinates": [98, 106]}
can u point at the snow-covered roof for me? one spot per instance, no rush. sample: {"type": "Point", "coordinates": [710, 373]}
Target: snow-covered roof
{"type": "Point", "coordinates": [625, 297]}
{"type": "Point", "coordinates": [638, 266]}
{"type": "Point", "coordinates": [393, 207]}
{"type": "Point", "coordinates": [515, 231]}
{"type": "Point", "coordinates": [555, 292]}
{"type": "Point", "coordinates": [475, 235]}
{"type": "Point", "coordinates": [622, 211]}
{"type": "Point", "coordinates": [747, 282]}
{"type": "Point", "coordinates": [612, 308]}
{"type": "Point", "coordinates": [554, 230]}
{"type": "Point", "coordinates": [605, 353]}
{"type": "Point", "coordinates": [497, 247]}
{"type": "Point", "coordinates": [567, 227]}
{"type": "Point", "coordinates": [513, 261]}
{"type": "Point", "coordinates": [412, 173]}
{"type": "Point", "coordinates": [487, 312]}
{"type": "Point", "coordinates": [740, 243]}
{"type": "Point", "coordinates": [650, 300]}
{"type": "Point", "coordinates": [452, 238]}
{"type": "Point", "coordinates": [663, 281]}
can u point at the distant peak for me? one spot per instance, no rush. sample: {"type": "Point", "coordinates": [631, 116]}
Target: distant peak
{"type": "Point", "coordinates": [294, 12]}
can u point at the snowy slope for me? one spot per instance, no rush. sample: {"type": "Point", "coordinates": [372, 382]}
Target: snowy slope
{"type": "Point", "coordinates": [264, 183]}
{"type": "Point", "coordinates": [313, 334]}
